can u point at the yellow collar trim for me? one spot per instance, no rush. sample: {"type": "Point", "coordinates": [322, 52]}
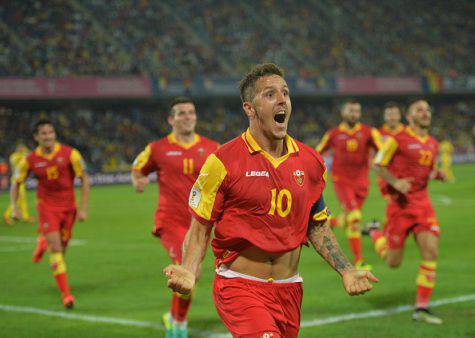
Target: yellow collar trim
{"type": "Point", "coordinates": [172, 139]}
{"type": "Point", "coordinates": [254, 147]}
{"type": "Point", "coordinates": [343, 127]}
{"type": "Point", "coordinates": [39, 151]}
{"type": "Point", "coordinates": [412, 133]}
{"type": "Point", "coordinates": [399, 128]}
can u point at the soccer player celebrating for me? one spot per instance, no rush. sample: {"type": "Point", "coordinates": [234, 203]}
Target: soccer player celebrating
{"type": "Point", "coordinates": [177, 159]}
{"type": "Point", "coordinates": [406, 162]}
{"type": "Point", "coordinates": [21, 151]}
{"type": "Point", "coordinates": [54, 165]}
{"type": "Point", "coordinates": [352, 143]}
{"type": "Point", "coordinates": [263, 193]}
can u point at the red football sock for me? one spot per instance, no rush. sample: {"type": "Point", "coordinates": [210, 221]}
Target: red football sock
{"type": "Point", "coordinates": [180, 306]}
{"type": "Point", "coordinates": [355, 246]}
{"type": "Point", "coordinates": [59, 272]}
{"type": "Point", "coordinates": [62, 282]}
{"type": "Point", "coordinates": [425, 283]}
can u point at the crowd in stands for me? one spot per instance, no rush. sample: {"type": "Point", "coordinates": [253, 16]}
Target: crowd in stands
{"type": "Point", "coordinates": [185, 39]}
{"type": "Point", "coordinates": [110, 137]}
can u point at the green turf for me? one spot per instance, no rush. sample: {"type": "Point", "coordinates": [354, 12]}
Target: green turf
{"type": "Point", "coordinates": [117, 273]}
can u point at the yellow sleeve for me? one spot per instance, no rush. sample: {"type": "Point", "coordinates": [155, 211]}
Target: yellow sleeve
{"type": "Point", "coordinates": [323, 145]}
{"type": "Point", "coordinates": [377, 138]}
{"type": "Point", "coordinates": [386, 152]}
{"type": "Point", "coordinates": [77, 162]}
{"type": "Point", "coordinates": [204, 194]}
{"type": "Point", "coordinates": [143, 161]}
{"type": "Point", "coordinates": [21, 171]}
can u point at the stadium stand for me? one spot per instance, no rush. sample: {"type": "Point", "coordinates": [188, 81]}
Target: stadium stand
{"type": "Point", "coordinates": [218, 38]}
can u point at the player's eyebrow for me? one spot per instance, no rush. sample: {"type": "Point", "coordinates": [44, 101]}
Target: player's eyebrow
{"type": "Point", "coordinates": [274, 87]}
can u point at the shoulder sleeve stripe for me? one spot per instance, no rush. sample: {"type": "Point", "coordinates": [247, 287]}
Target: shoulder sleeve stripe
{"type": "Point", "coordinates": [77, 162]}
{"type": "Point", "coordinates": [21, 171]}
{"type": "Point", "coordinates": [322, 146]}
{"type": "Point", "coordinates": [204, 191]}
{"type": "Point", "coordinates": [386, 152]}
{"type": "Point", "coordinates": [142, 159]}
{"type": "Point", "coordinates": [377, 138]}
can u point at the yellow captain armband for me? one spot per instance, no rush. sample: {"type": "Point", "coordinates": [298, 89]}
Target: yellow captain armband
{"type": "Point", "coordinates": [79, 166]}
{"type": "Point", "coordinates": [204, 191]}
{"type": "Point", "coordinates": [320, 211]}
{"type": "Point", "coordinates": [386, 152]}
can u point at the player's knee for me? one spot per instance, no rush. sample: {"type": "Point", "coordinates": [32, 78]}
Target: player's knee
{"type": "Point", "coordinates": [393, 262]}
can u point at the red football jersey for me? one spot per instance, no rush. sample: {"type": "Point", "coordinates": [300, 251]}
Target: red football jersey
{"type": "Point", "coordinates": [55, 173]}
{"type": "Point", "coordinates": [254, 199]}
{"type": "Point", "coordinates": [385, 131]}
{"type": "Point", "coordinates": [351, 150]}
{"type": "Point", "coordinates": [177, 166]}
{"type": "Point", "coordinates": [409, 155]}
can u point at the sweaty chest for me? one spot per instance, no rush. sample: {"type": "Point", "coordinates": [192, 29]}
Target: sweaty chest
{"type": "Point", "coordinates": [50, 170]}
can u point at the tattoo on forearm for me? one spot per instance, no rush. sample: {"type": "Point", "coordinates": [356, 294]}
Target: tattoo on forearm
{"type": "Point", "coordinates": [325, 243]}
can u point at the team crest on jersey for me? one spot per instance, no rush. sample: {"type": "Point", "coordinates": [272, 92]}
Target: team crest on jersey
{"type": "Point", "coordinates": [299, 175]}
{"type": "Point", "coordinates": [201, 151]}
{"type": "Point", "coordinates": [40, 164]}
{"type": "Point", "coordinates": [59, 160]}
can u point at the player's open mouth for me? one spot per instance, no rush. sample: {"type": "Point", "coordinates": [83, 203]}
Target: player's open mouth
{"type": "Point", "coordinates": [280, 117]}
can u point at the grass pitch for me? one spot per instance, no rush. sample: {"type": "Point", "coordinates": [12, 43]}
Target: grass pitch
{"type": "Point", "coordinates": [115, 272]}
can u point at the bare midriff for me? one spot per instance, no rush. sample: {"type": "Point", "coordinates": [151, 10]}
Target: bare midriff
{"type": "Point", "coordinates": [261, 264]}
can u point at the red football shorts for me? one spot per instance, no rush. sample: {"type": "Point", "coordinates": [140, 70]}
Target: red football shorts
{"type": "Point", "coordinates": [172, 237]}
{"type": "Point", "coordinates": [351, 194]}
{"type": "Point", "coordinates": [62, 221]}
{"type": "Point", "coordinates": [415, 217]}
{"type": "Point", "coordinates": [257, 309]}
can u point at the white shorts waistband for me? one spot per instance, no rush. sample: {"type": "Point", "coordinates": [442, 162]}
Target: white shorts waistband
{"type": "Point", "coordinates": [224, 271]}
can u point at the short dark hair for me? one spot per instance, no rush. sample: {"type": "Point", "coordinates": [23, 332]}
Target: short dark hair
{"type": "Point", "coordinates": [39, 123]}
{"type": "Point", "coordinates": [413, 100]}
{"type": "Point", "coordinates": [247, 84]}
{"type": "Point", "coordinates": [178, 100]}
{"type": "Point", "coordinates": [347, 101]}
{"type": "Point", "coordinates": [392, 104]}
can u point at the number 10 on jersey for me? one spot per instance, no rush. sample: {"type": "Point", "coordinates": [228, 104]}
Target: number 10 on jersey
{"type": "Point", "coordinates": [276, 202]}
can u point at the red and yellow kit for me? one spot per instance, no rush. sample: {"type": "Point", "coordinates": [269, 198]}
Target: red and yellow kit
{"type": "Point", "coordinates": [407, 155]}
{"type": "Point", "coordinates": [254, 199]}
{"type": "Point", "coordinates": [177, 166]}
{"type": "Point", "coordinates": [350, 166]}
{"type": "Point", "coordinates": [55, 196]}
{"type": "Point", "coordinates": [387, 132]}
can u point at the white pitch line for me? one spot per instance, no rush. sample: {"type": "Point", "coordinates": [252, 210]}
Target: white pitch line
{"type": "Point", "coordinates": [16, 239]}
{"type": "Point", "coordinates": [308, 323]}
{"type": "Point", "coordinates": [383, 313]}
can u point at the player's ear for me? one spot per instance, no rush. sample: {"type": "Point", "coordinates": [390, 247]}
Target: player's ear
{"type": "Point", "coordinates": [249, 109]}
{"type": "Point", "coordinates": [170, 120]}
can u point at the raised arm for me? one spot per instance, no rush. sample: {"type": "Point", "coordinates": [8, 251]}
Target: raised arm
{"type": "Point", "coordinates": [356, 282]}
{"type": "Point", "coordinates": [19, 176]}
{"type": "Point", "coordinates": [182, 278]}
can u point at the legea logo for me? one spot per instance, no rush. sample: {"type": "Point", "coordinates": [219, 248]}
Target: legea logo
{"type": "Point", "coordinates": [253, 173]}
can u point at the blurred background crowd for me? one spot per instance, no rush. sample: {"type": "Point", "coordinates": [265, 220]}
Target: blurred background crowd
{"type": "Point", "coordinates": [110, 137]}
{"type": "Point", "coordinates": [185, 39]}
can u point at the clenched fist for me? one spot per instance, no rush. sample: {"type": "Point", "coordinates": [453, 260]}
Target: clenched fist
{"type": "Point", "coordinates": [180, 279]}
{"type": "Point", "coordinates": [356, 282]}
